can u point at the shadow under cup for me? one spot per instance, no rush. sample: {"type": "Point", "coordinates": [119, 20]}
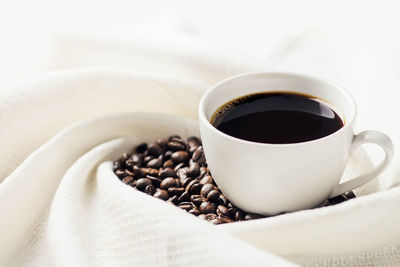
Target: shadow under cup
{"type": "Point", "coordinates": [273, 178]}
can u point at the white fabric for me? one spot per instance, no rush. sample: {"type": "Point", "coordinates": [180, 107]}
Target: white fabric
{"type": "Point", "coordinates": [62, 206]}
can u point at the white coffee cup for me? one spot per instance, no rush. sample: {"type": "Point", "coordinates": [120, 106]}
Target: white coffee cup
{"type": "Point", "coordinates": [273, 178]}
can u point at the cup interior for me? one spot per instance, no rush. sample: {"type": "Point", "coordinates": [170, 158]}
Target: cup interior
{"type": "Point", "coordinates": [339, 99]}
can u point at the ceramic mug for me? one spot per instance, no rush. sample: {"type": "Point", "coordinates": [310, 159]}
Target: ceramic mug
{"type": "Point", "coordinates": [273, 178]}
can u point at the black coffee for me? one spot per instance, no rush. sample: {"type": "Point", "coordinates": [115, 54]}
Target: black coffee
{"type": "Point", "coordinates": [277, 118]}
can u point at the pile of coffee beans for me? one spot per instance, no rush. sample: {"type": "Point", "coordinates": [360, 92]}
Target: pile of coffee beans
{"type": "Point", "coordinates": [175, 170]}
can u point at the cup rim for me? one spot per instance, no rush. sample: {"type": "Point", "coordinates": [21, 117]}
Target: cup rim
{"type": "Point", "coordinates": [348, 123]}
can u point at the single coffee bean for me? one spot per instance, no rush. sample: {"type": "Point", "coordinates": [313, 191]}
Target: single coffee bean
{"type": "Point", "coordinates": [175, 191]}
{"type": "Point", "coordinates": [150, 190]}
{"type": "Point", "coordinates": [137, 159]}
{"type": "Point", "coordinates": [128, 179]}
{"type": "Point", "coordinates": [210, 216]}
{"type": "Point", "coordinates": [194, 211]}
{"type": "Point", "coordinates": [154, 150]}
{"type": "Point", "coordinates": [252, 216]}
{"type": "Point", "coordinates": [206, 180]}
{"type": "Point", "coordinates": [197, 155]}
{"type": "Point", "coordinates": [155, 181]}
{"type": "Point", "coordinates": [220, 220]}
{"type": "Point", "coordinates": [154, 163]}
{"type": "Point", "coordinates": [186, 206]}
{"type": "Point", "coordinates": [150, 171]}
{"type": "Point", "coordinates": [141, 148]}
{"type": "Point", "coordinates": [179, 166]}
{"type": "Point", "coordinates": [180, 156]}
{"type": "Point", "coordinates": [169, 164]}
{"type": "Point", "coordinates": [173, 199]}
{"type": "Point", "coordinates": [121, 174]}
{"type": "Point", "coordinates": [207, 207]}
{"type": "Point", "coordinates": [167, 183]}
{"type": "Point", "coordinates": [196, 188]}
{"type": "Point", "coordinates": [239, 215]}
{"type": "Point", "coordinates": [142, 183]}
{"type": "Point", "coordinates": [206, 189]}
{"type": "Point", "coordinates": [194, 169]}
{"type": "Point", "coordinates": [186, 181]}
{"type": "Point", "coordinates": [185, 197]}
{"type": "Point", "coordinates": [124, 156]}
{"type": "Point", "coordinates": [223, 200]}
{"type": "Point", "coordinates": [117, 165]}
{"type": "Point", "coordinates": [223, 211]}
{"type": "Point", "coordinates": [189, 185]}
{"type": "Point", "coordinates": [161, 194]}
{"type": "Point", "coordinates": [138, 172]}
{"type": "Point", "coordinates": [176, 145]}
{"type": "Point", "coordinates": [167, 172]}
{"type": "Point", "coordinates": [162, 142]}
{"type": "Point", "coordinates": [193, 141]}
{"type": "Point", "coordinates": [178, 182]}
{"type": "Point", "coordinates": [182, 173]}
{"type": "Point", "coordinates": [147, 159]}
{"type": "Point", "coordinates": [213, 196]}
{"type": "Point", "coordinates": [167, 154]}
{"type": "Point", "coordinates": [130, 173]}
{"type": "Point", "coordinates": [197, 199]}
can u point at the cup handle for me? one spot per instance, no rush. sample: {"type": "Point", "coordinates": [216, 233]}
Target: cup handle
{"type": "Point", "coordinates": [367, 137]}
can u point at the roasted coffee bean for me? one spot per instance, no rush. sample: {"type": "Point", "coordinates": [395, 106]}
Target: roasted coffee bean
{"type": "Point", "coordinates": [223, 200]}
{"type": "Point", "coordinates": [194, 141]}
{"type": "Point", "coordinates": [124, 157]}
{"type": "Point", "coordinates": [173, 199]}
{"type": "Point", "coordinates": [176, 145]}
{"type": "Point", "coordinates": [252, 216]}
{"type": "Point", "coordinates": [220, 220]}
{"type": "Point", "coordinates": [206, 189]}
{"type": "Point", "coordinates": [206, 180]}
{"type": "Point", "coordinates": [195, 212]}
{"type": "Point", "coordinates": [194, 169]}
{"type": "Point", "coordinates": [137, 159]}
{"type": "Point", "coordinates": [178, 182]}
{"type": "Point", "coordinates": [154, 163]}
{"type": "Point", "coordinates": [154, 150]}
{"type": "Point", "coordinates": [189, 185]}
{"type": "Point", "coordinates": [186, 181]}
{"type": "Point", "coordinates": [161, 194]}
{"type": "Point", "coordinates": [128, 179]}
{"type": "Point", "coordinates": [182, 173]}
{"type": "Point", "coordinates": [196, 188]}
{"type": "Point", "coordinates": [179, 166]}
{"type": "Point", "coordinates": [213, 196]}
{"type": "Point", "coordinates": [162, 142]}
{"type": "Point", "coordinates": [150, 190]}
{"type": "Point", "coordinates": [167, 183]}
{"type": "Point", "coordinates": [117, 165]}
{"type": "Point", "coordinates": [175, 191]}
{"type": "Point", "coordinates": [147, 159]}
{"type": "Point", "coordinates": [184, 197]}
{"type": "Point", "coordinates": [168, 164]}
{"type": "Point", "coordinates": [186, 205]}
{"type": "Point", "coordinates": [223, 211]}
{"type": "Point", "coordinates": [239, 215]}
{"type": "Point", "coordinates": [167, 172]}
{"type": "Point", "coordinates": [150, 171]}
{"type": "Point", "coordinates": [207, 207]}
{"type": "Point", "coordinates": [349, 195]}
{"type": "Point", "coordinates": [167, 154]}
{"type": "Point", "coordinates": [197, 155]}
{"type": "Point", "coordinates": [210, 216]}
{"type": "Point", "coordinates": [121, 174]}
{"type": "Point", "coordinates": [141, 148]}
{"type": "Point", "coordinates": [142, 183]}
{"type": "Point", "coordinates": [138, 172]}
{"type": "Point", "coordinates": [180, 156]}
{"type": "Point", "coordinates": [197, 199]}
{"type": "Point", "coordinates": [154, 180]}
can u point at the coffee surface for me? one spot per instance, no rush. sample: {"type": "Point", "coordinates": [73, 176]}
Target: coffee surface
{"type": "Point", "coordinates": [277, 118]}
